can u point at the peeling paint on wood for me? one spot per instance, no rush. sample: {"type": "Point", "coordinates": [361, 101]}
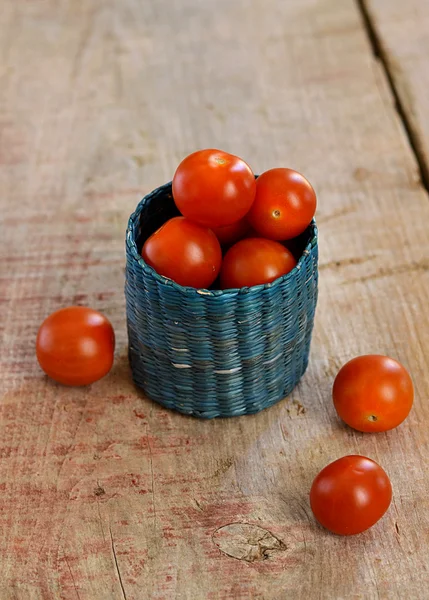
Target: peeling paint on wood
{"type": "Point", "coordinates": [104, 494]}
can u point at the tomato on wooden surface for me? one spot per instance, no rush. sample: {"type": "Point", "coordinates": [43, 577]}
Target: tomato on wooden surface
{"type": "Point", "coordinates": [185, 252]}
{"type": "Point", "coordinates": [373, 393]}
{"type": "Point", "coordinates": [75, 345]}
{"type": "Point", "coordinates": [350, 495]}
{"type": "Point", "coordinates": [254, 261]}
{"type": "Point", "coordinates": [284, 205]}
{"type": "Point", "coordinates": [230, 234]}
{"type": "Point", "coordinates": [213, 188]}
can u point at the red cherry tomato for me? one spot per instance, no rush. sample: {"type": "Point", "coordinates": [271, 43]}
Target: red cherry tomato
{"type": "Point", "coordinates": [75, 345]}
{"type": "Point", "coordinates": [350, 495]}
{"type": "Point", "coordinates": [284, 205]}
{"type": "Point", "coordinates": [185, 252]}
{"type": "Point", "coordinates": [213, 188]}
{"type": "Point", "coordinates": [254, 261]}
{"type": "Point", "coordinates": [373, 393]}
{"type": "Point", "coordinates": [230, 234]}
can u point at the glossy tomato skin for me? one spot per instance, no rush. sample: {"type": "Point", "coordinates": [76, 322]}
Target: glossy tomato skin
{"type": "Point", "coordinates": [185, 252]}
{"type": "Point", "coordinates": [284, 205]}
{"type": "Point", "coordinates": [213, 188]}
{"type": "Point", "coordinates": [373, 393]}
{"type": "Point", "coordinates": [350, 495]}
{"type": "Point", "coordinates": [75, 346]}
{"type": "Point", "coordinates": [254, 261]}
{"type": "Point", "coordinates": [231, 234]}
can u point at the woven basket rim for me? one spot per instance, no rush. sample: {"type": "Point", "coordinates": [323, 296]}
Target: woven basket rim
{"type": "Point", "coordinates": [165, 281]}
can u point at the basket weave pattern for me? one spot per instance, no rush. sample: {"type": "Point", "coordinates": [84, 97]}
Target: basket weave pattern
{"type": "Point", "coordinates": [214, 353]}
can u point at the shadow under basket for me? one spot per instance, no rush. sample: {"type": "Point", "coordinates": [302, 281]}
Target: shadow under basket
{"type": "Point", "coordinates": [216, 353]}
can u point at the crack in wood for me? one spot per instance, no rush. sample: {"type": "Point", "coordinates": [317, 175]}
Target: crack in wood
{"type": "Point", "coordinates": [346, 262]}
{"type": "Point", "coordinates": [117, 566]}
{"type": "Point", "coordinates": [380, 54]}
{"type": "Point", "coordinates": [99, 513]}
{"type": "Point", "coordinates": [414, 267]}
{"type": "Point", "coordinates": [342, 212]}
{"type": "Point", "coordinates": [152, 478]}
{"type": "Point", "coordinates": [71, 575]}
{"type": "Point", "coordinates": [372, 569]}
{"type": "Point", "coordinates": [198, 504]}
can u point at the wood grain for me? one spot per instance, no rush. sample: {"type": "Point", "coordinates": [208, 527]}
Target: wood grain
{"type": "Point", "coordinates": [402, 36]}
{"type": "Point", "coordinates": [104, 495]}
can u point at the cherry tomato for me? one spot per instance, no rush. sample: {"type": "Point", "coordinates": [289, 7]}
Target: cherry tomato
{"type": "Point", "coordinates": [373, 393]}
{"type": "Point", "coordinates": [75, 345]}
{"type": "Point", "coordinates": [284, 205]}
{"type": "Point", "coordinates": [254, 261]}
{"type": "Point", "coordinates": [213, 188]}
{"type": "Point", "coordinates": [185, 252]}
{"type": "Point", "coordinates": [350, 495]}
{"type": "Point", "coordinates": [230, 234]}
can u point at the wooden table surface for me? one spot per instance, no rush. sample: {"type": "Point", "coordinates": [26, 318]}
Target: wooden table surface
{"type": "Point", "coordinates": [103, 494]}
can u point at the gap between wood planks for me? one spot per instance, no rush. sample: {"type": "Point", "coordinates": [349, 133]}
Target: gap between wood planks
{"type": "Point", "coordinates": [380, 54]}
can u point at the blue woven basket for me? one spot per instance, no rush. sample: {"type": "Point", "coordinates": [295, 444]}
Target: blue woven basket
{"type": "Point", "coordinates": [215, 353]}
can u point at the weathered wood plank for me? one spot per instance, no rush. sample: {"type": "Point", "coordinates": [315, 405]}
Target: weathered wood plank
{"type": "Point", "coordinates": [401, 32]}
{"type": "Point", "coordinates": [102, 493]}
